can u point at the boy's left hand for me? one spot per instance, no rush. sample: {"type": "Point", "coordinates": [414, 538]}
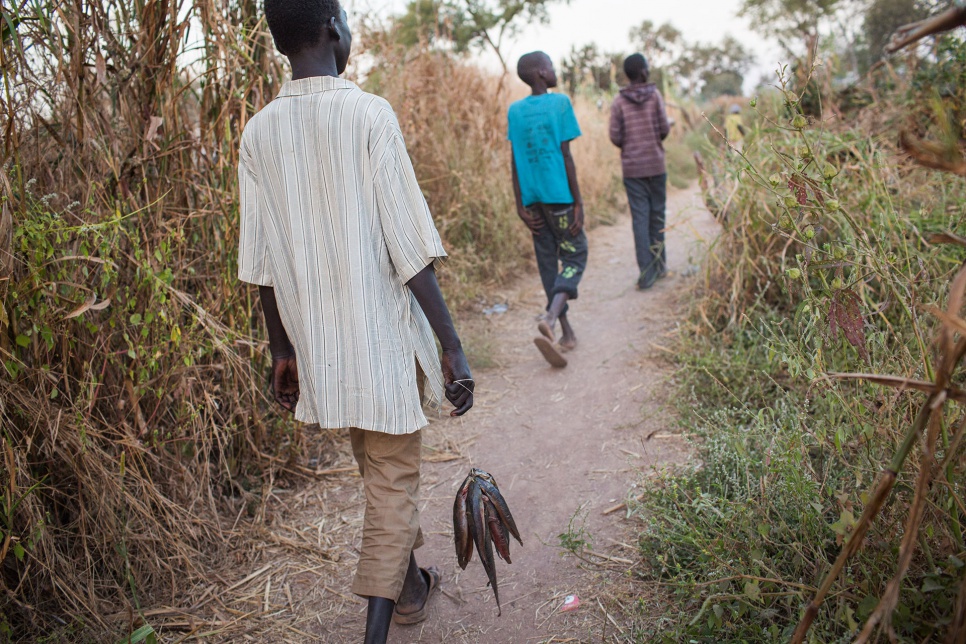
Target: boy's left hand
{"type": "Point", "coordinates": [578, 224]}
{"type": "Point", "coordinates": [459, 381]}
{"type": "Point", "coordinates": [285, 382]}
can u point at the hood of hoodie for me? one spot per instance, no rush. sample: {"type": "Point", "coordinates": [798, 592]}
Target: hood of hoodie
{"type": "Point", "coordinates": [639, 94]}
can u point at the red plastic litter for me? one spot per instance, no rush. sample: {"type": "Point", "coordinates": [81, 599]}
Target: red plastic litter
{"type": "Point", "coordinates": [571, 602]}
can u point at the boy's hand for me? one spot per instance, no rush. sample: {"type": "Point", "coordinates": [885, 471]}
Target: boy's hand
{"type": "Point", "coordinates": [459, 381]}
{"type": "Point", "coordinates": [578, 224]}
{"type": "Point", "coordinates": [535, 224]}
{"type": "Point", "coordinates": [285, 382]}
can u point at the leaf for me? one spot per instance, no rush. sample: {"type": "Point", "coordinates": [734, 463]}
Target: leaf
{"type": "Point", "coordinates": [100, 65]}
{"type": "Point", "coordinates": [753, 590]}
{"type": "Point", "coordinates": [23, 341]}
{"type": "Point", "coordinates": [154, 124]}
{"type": "Point", "coordinates": [845, 313]}
{"type": "Point", "coordinates": [18, 551]}
{"type": "Point", "coordinates": [947, 238]}
{"type": "Point", "coordinates": [844, 525]}
{"type": "Point", "coordinates": [140, 635]}
{"type": "Point", "coordinates": [797, 185]}
{"type": "Point", "coordinates": [9, 31]}
{"type": "Point", "coordinates": [867, 605]}
{"type": "Point", "coordinates": [931, 585]}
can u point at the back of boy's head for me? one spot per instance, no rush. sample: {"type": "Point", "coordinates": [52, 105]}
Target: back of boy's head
{"type": "Point", "coordinates": [297, 24]}
{"type": "Point", "coordinates": [636, 67]}
{"type": "Point", "coordinates": [530, 65]}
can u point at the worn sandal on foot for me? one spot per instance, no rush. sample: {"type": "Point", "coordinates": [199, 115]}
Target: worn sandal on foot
{"type": "Point", "coordinates": [408, 619]}
{"type": "Point", "coordinates": [550, 352]}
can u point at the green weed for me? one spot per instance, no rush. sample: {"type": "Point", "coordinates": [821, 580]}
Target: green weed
{"type": "Point", "coordinates": [575, 539]}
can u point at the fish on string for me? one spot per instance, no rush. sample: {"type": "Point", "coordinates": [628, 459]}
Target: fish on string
{"type": "Point", "coordinates": [482, 519]}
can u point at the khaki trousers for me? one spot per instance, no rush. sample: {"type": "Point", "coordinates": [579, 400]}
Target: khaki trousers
{"type": "Point", "coordinates": [389, 466]}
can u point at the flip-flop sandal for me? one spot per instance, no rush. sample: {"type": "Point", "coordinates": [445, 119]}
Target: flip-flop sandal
{"type": "Point", "coordinates": [550, 352]}
{"type": "Point", "coordinates": [546, 331]}
{"type": "Point", "coordinates": [565, 348]}
{"type": "Point", "coordinates": [408, 619]}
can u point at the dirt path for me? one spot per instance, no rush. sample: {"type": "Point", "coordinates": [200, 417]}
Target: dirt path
{"type": "Point", "coordinates": [564, 444]}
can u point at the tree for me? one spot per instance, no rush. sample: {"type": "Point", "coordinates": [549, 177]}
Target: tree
{"type": "Point", "coordinates": [432, 22]}
{"type": "Point", "coordinates": [470, 24]}
{"type": "Point", "coordinates": [790, 20]}
{"type": "Point", "coordinates": [662, 45]}
{"type": "Point", "coordinates": [714, 70]}
{"type": "Point", "coordinates": [585, 64]}
{"type": "Point", "coordinates": [883, 17]}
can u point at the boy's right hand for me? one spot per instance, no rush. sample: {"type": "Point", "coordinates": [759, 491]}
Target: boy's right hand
{"type": "Point", "coordinates": [535, 224]}
{"type": "Point", "coordinates": [285, 382]}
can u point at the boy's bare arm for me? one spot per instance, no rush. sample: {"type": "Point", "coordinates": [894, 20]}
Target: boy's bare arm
{"type": "Point", "coordinates": [285, 375]}
{"type": "Point", "coordinates": [533, 223]}
{"type": "Point", "coordinates": [578, 224]}
{"type": "Point", "coordinates": [456, 370]}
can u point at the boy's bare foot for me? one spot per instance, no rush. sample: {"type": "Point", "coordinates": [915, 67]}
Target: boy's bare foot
{"type": "Point", "coordinates": [569, 340]}
{"type": "Point", "coordinates": [413, 603]}
{"type": "Point", "coordinates": [550, 352]}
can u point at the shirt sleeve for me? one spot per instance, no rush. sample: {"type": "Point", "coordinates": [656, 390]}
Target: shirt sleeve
{"type": "Point", "coordinates": [407, 225]}
{"type": "Point", "coordinates": [664, 128]}
{"type": "Point", "coordinates": [253, 253]}
{"type": "Point", "coordinates": [569, 128]}
{"type": "Point", "coordinates": [617, 124]}
{"type": "Point", "coordinates": [509, 126]}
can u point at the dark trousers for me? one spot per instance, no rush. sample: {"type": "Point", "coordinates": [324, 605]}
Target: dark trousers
{"type": "Point", "coordinates": [561, 257]}
{"type": "Point", "coordinates": [648, 198]}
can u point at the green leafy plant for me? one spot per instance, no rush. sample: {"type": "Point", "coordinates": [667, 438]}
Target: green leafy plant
{"type": "Point", "coordinates": [835, 258]}
{"type": "Point", "coordinates": [575, 539]}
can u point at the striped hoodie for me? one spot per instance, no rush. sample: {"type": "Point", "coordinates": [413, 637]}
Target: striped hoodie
{"type": "Point", "coordinates": [638, 126]}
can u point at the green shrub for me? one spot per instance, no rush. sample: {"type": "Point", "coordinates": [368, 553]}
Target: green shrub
{"type": "Point", "coordinates": [824, 266]}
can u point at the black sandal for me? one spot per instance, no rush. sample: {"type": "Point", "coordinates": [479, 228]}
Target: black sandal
{"type": "Point", "coordinates": [408, 619]}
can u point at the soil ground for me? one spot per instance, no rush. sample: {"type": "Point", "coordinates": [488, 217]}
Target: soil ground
{"type": "Point", "coordinates": [565, 446]}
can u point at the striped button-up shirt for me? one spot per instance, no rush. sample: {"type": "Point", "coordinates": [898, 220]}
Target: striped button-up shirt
{"type": "Point", "coordinates": [638, 126]}
{"type": "Point", "coordinates": [333, 219]}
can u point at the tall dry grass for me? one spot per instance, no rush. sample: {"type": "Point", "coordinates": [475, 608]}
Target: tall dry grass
{"type": "Point", "coordinates": [136, 434]}
{"type": "Point", "coordinates": [453, 118]}
{"type": "Point", "coordinates": [131, 396]}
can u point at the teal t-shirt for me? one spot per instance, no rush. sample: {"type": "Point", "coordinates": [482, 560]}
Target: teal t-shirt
{"type": "Point", "coordinates": [537, 126]}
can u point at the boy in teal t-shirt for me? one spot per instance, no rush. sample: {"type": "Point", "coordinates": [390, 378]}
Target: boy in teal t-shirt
{"type": "Point", "coordinates": [540, 130]}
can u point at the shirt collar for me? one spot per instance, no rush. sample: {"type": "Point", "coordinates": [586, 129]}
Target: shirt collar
{"type": "Point", "coordinates": [314, 85]}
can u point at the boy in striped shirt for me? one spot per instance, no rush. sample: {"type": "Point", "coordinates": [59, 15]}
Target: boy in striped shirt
{"type": "Point", "coordinates": [638, 126]}
{"type": "Point", "coordinates": [338, 237]}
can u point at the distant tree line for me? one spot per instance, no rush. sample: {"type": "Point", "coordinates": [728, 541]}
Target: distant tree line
{"type": "Point", "coordinates": [857, 30]}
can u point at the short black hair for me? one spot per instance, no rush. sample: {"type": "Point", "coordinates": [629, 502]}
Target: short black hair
{"type": "Point", "coordinates": [530, 64]}
{"type": "Point", "coordinates": [635, 67]}
{"type": "Point", "coordinates": [297, 24]}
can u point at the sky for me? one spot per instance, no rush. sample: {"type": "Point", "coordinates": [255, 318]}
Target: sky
{"type": "Point", "coordinates": [607, 23]}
